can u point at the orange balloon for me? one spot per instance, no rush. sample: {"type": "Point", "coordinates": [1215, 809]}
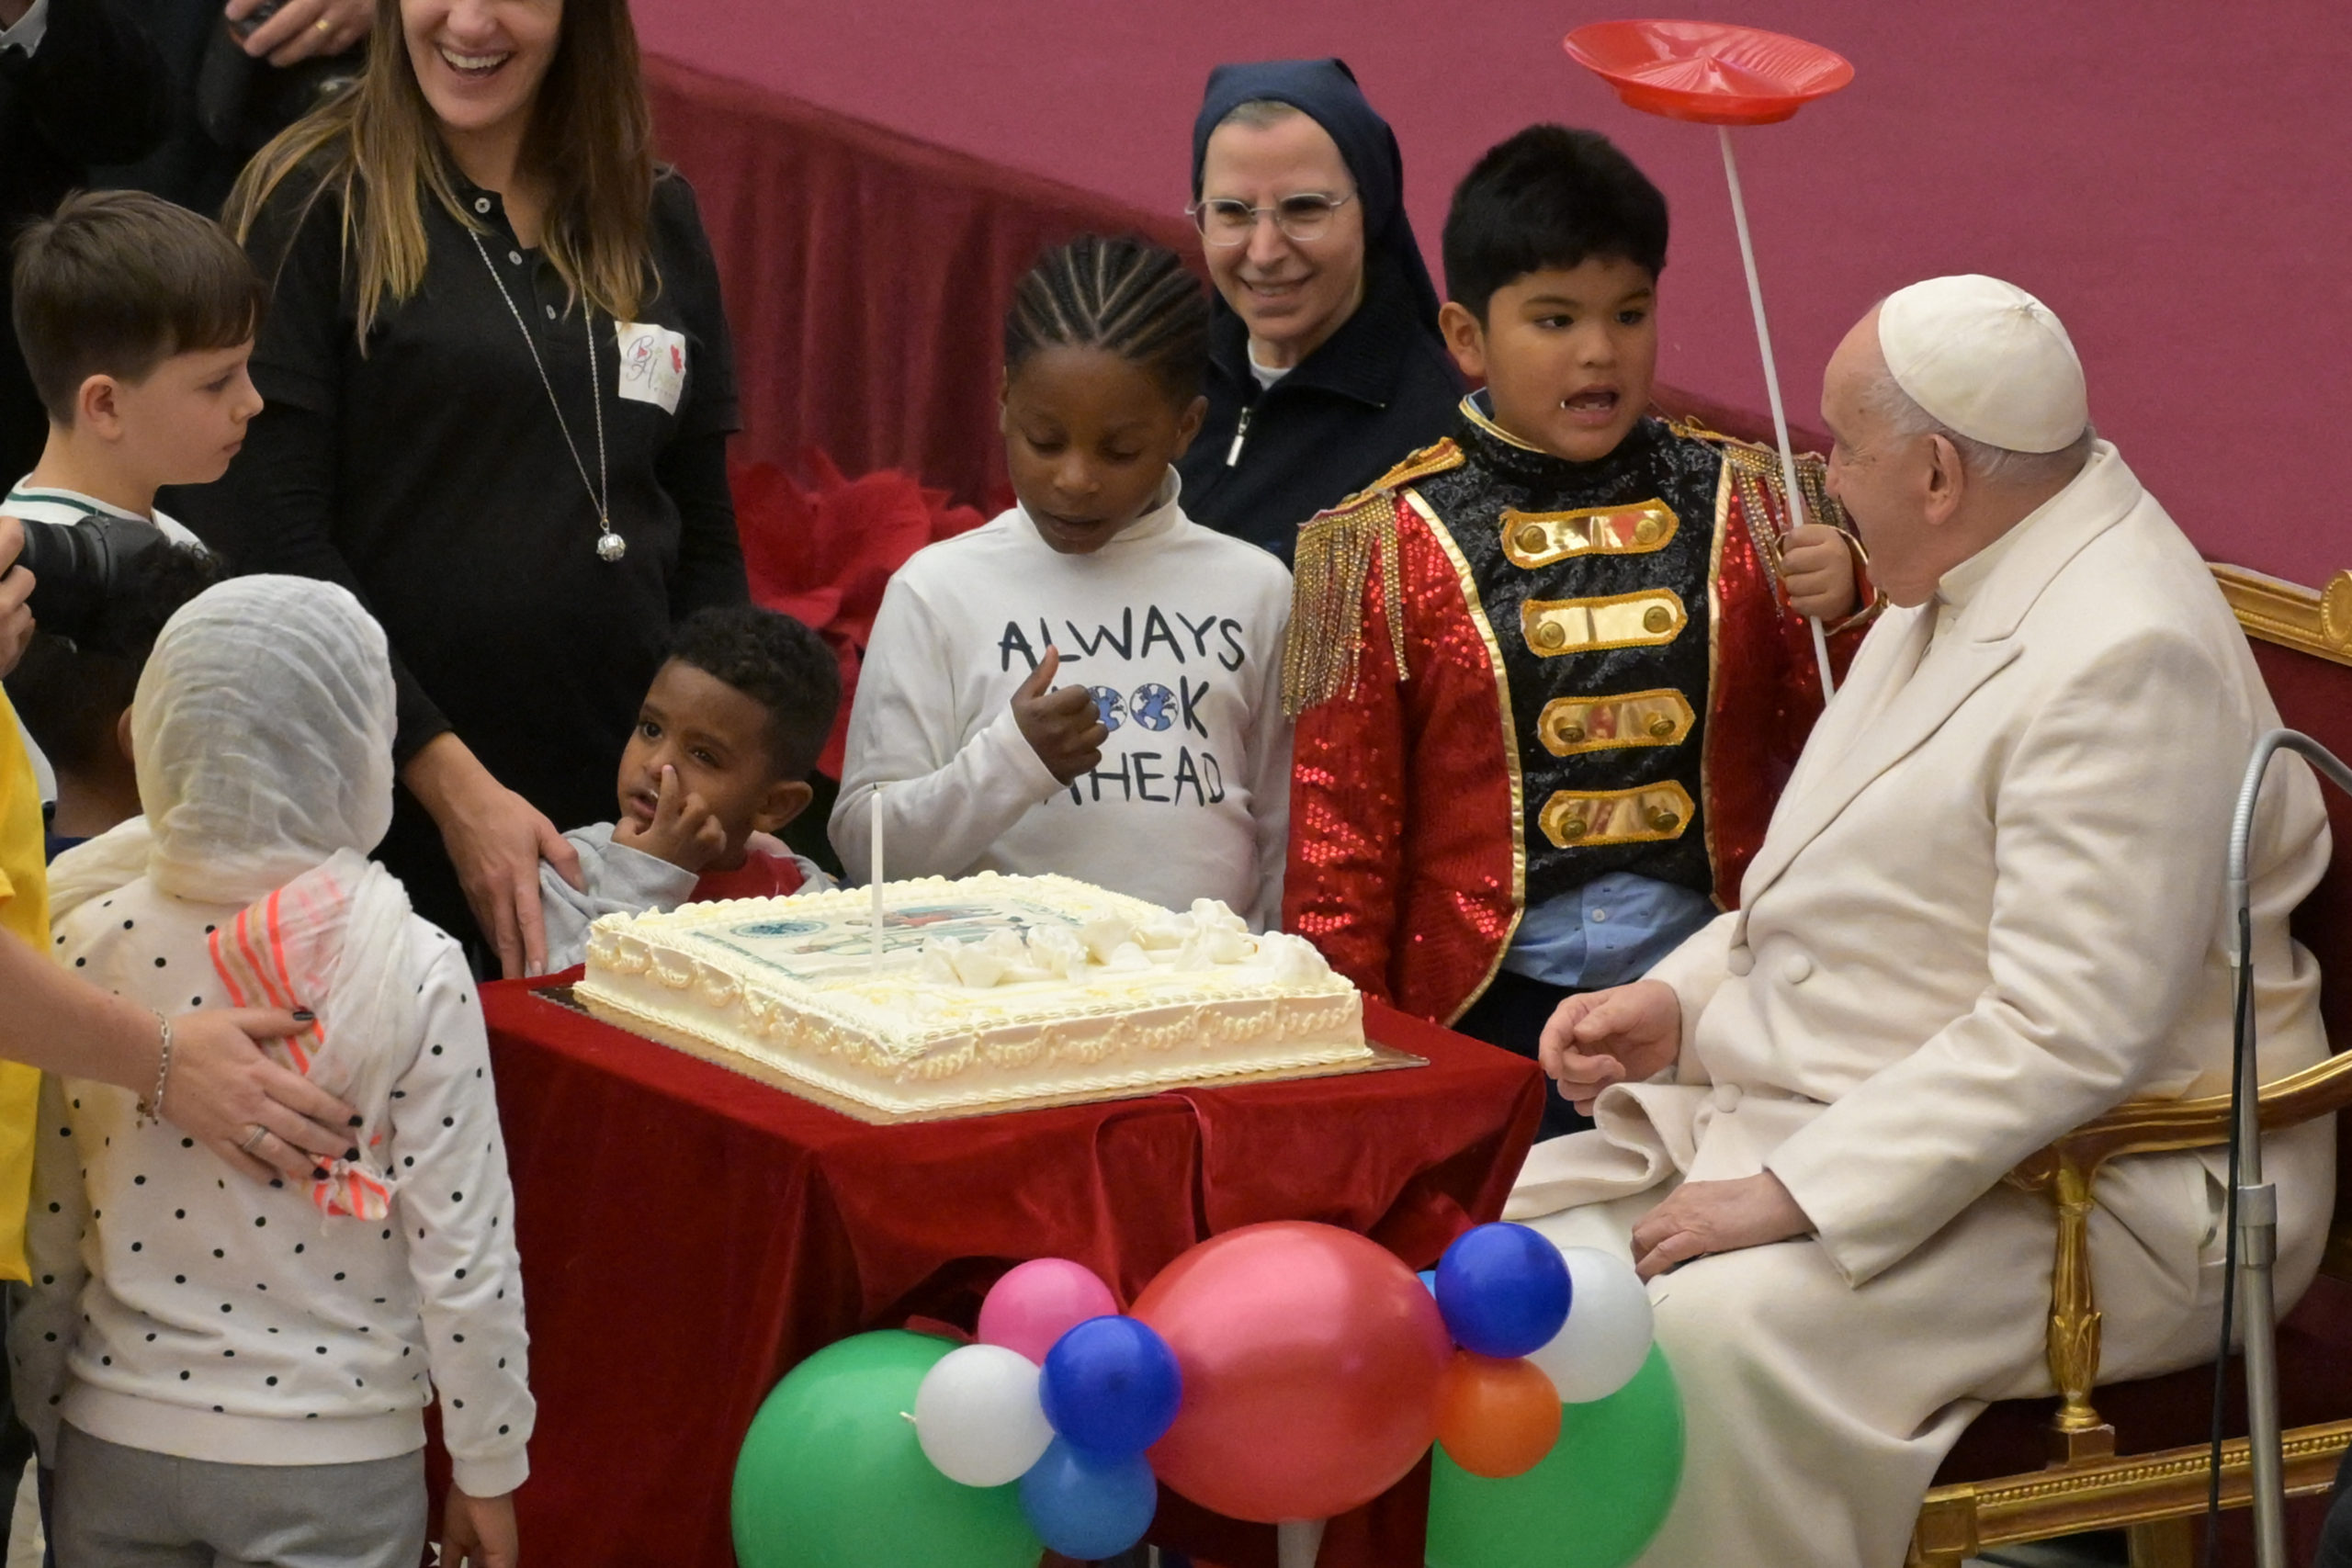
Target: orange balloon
{"type": "Point", "coordinates": [1496, 1418]}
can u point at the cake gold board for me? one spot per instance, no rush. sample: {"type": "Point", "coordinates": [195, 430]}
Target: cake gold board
{"type": "Point", "coordinates": [1384, 1059]}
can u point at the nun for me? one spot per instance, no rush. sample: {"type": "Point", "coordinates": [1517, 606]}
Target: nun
{"type": "Point", "coordinates": [1326, 367]}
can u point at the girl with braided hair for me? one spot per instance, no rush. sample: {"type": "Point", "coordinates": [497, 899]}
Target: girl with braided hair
{"type": "Point", "coordinates": [1091, 682]}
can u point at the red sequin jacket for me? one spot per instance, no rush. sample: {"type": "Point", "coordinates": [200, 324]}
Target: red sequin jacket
{"type": "Point", "coordinates": [1454, 728]}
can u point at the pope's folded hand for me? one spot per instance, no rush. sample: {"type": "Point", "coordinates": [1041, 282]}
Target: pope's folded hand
{"type": "Point", "coordinates": [1701, 1217]}
{"type": "Point", "coordinates": [1604, 1037]}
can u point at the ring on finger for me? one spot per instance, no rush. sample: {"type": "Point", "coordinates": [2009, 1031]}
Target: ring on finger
{"type": "Point", "coordinates": [256, 1136]}
{"type": "Point", "coordinates": [322, 26]}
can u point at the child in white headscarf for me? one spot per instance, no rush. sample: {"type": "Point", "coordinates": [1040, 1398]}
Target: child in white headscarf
{"type": "Point", "coordinates": [235, 1371]}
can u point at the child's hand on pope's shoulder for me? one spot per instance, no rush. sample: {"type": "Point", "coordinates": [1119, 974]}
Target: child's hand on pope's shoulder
{"type": "Point", "coordinates": [683, 831]}
{"type": "Point", "coordinates": [1062, 727]}
{"type": "Point", "coordinates": [1817, 564]}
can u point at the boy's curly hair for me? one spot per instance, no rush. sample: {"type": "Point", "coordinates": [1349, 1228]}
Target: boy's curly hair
{"type": "Point", "coordinates": [778, 663]}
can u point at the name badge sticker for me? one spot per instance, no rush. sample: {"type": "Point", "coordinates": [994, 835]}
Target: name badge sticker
{"type": "Point", "coordinates": [653, 363]}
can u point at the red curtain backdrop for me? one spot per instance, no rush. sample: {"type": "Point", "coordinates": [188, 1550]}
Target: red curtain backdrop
{"type": "Point", "coordinates": [866, 276]}
{"type": "Point", "coordinates": [2164, 175]}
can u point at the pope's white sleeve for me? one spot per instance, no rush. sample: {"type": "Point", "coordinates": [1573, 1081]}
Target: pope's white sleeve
{"type": "Point", "coordinates": [2108, 828]}
{"type": "Point", "coordinates": [1695, 971]}
{"type": "Point", "coordinates": [946, 800]}
{"type": "Point", "coordinates": [456, 1211]}
{"type": "Point", "coordinates": [41, 1323]}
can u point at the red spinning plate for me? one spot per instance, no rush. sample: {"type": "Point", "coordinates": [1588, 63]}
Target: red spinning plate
{"type": "Point", "coordinates": [1714, 72]}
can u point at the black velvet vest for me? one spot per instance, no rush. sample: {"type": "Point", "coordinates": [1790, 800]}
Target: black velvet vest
{"type": "Point", "coordinates": [1595, 579]}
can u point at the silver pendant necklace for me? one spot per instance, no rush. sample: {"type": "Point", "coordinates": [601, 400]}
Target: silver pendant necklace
{"type": "Point", "coordinates": [610, 546]}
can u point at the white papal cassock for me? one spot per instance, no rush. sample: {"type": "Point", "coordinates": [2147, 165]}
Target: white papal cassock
{"type": "Point", "coordinates": [1990, 907]}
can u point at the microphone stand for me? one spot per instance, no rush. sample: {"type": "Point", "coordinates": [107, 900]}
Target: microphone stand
{"type": "Point", "coordinates": [2253, 1202]}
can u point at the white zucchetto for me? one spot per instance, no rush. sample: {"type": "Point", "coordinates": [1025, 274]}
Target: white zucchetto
{"type": "Point", "coordinates": [1986, 359]}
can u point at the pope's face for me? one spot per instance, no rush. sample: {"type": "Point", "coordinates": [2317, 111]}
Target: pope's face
{"type": "Point", "coordinates": [1879, 477]}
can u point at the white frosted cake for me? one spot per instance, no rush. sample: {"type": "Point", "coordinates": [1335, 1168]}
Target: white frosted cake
{"type": "Point", "coordinates": [989, 992]}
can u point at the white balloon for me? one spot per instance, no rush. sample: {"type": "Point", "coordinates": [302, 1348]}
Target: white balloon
{"type": "Point", "coordinates": [1608, 1335]}
{"type": "Point", "coordinates": [979, 1417]}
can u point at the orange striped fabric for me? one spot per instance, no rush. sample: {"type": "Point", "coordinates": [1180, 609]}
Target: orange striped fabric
{"type": "Point", "coordinates": [270, 956]}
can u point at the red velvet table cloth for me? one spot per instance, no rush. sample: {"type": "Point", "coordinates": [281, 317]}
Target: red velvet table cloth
{"type": "Point", "coordinates": [687, 1236]}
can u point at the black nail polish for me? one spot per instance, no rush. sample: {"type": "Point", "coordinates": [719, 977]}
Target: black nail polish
{"type": "Point", "coordinates": [318, 1174]}
{"type": "Point", "coordinates": [304, 1015]}
{"type": "Point", "coordinates": [351, 1154]}
{"type": "Point", "coordinates": [355, 1121]}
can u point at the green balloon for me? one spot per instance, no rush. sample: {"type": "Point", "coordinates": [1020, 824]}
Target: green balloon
{"type": "Point", "coordinates": [1593, 1502]}
{"type": "Point", "coordinates": [831, 1476]}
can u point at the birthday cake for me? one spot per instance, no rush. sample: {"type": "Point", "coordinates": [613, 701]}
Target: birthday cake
{"type": "Point", "coordinates": [984, 993]}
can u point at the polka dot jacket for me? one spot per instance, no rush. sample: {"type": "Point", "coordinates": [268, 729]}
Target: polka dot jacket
{"type": "Point", "coordinates": [180, 1307]}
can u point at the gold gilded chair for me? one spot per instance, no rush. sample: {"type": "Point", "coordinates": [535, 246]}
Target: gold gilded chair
{"type": "Point", "coordinates": [2138, 1459]}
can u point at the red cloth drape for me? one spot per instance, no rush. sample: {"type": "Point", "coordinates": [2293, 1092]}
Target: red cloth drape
{"type": "Point", "coordinates": [687, 1236]}
{"type": "Point", "coordinates": [867, 276]}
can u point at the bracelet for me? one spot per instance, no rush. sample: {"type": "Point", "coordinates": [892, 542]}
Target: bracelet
{"type": "Point", "coordinates": [151, 1108]}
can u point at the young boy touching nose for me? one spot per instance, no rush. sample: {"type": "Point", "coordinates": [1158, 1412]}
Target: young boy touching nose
{"type": "Point", "coordinates": [720, 762]}
{"type": "Point", "coordinates": [1551, 672]}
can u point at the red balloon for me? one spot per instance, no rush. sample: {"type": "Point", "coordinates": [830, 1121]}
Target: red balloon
{"type": "Point", "coordinates": [1311, 1360]}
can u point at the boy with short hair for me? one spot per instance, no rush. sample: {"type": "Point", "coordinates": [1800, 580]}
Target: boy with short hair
{"type": "Point", "coordinates": [1552, 673]}
{"type": "Point", "coordinates": [725, 742]}
{"type": "Point", "coordinates": [136, 319]}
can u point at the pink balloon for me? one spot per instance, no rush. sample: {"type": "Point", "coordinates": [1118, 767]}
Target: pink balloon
{"type": "Point", "coordinates": [1038, 1302]}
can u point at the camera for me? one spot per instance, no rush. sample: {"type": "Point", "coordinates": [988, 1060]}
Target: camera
{"type": "Point", "coordinates": [78, 567]}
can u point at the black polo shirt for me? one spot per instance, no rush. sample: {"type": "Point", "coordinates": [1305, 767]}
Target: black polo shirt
{"type": "Point", "coordinates": [429, 474]}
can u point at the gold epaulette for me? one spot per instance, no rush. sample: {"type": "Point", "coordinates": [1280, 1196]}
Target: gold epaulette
{"type": "Point", "coordinates": [1324, 650]}
{"type": "Point", "coordinates": [1756, 470]}
{"type": "Point", "coordinates": [1432, 459]}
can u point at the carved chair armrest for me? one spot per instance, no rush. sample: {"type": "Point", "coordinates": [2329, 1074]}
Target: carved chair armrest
{"type": "Point", "coordinates": [2161, 1126]}
{"type": "Point", "coordinates": [2067, 1172]}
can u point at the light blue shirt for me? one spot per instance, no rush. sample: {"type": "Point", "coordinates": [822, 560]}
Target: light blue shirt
{"type": "Point", "coordinates": [1607, 931]}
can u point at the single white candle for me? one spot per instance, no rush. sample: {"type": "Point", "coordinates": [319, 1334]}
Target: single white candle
{"type": "Point", "coordinates": [875, 817]}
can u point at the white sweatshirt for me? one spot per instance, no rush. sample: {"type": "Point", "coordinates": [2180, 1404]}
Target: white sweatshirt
{"type": "Point", "coordinates": [180, 1308]}
{"type": "Point", "coordinates": [1179, 630]}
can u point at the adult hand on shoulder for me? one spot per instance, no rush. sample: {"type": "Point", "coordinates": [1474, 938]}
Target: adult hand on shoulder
{"type": "Point", "coordinates": [496, 839]}
{"type": "Point", "coordinates": [683, 831]}
{"type": "Point", "coordinates": [1624, 1033]}
{"type": "Point", "coordinates": [16, 588]}
{"type": "Point", "coordinates": [221, 1087]}
{"type": "Point", "coordinates": [1817, 564]}
{"type": "Point", "coordinates": [1063, 728]}
{"type": "Point", "coordinates": [302, 29]}
{"type": "Point", "coordinates": [1701, 1217]}
{"type": "Point", "coordinates": [479, 1532]}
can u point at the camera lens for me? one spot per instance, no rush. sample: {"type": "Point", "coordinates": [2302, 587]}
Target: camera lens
{"type": "Point", "coordinates": [78, 567]}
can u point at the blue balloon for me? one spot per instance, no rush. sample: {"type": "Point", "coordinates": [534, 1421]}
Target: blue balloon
{"type": "Point", "coordinates": [1086, 1507]}
{"type": "Point", "coordinates": [1503, 1290]}
{"type": "Point", "coordinates": [1111, 1387]}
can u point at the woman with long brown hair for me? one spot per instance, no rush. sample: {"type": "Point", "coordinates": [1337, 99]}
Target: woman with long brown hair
{"type": "Point", "coordinates": [500, 385]}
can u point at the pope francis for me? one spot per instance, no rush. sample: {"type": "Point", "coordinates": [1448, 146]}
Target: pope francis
{"type": "Point", "coordinates": [1989, 908]}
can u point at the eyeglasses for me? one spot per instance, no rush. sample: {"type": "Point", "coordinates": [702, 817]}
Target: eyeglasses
{"type": "Point", "coordinates": [1305, 218]}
